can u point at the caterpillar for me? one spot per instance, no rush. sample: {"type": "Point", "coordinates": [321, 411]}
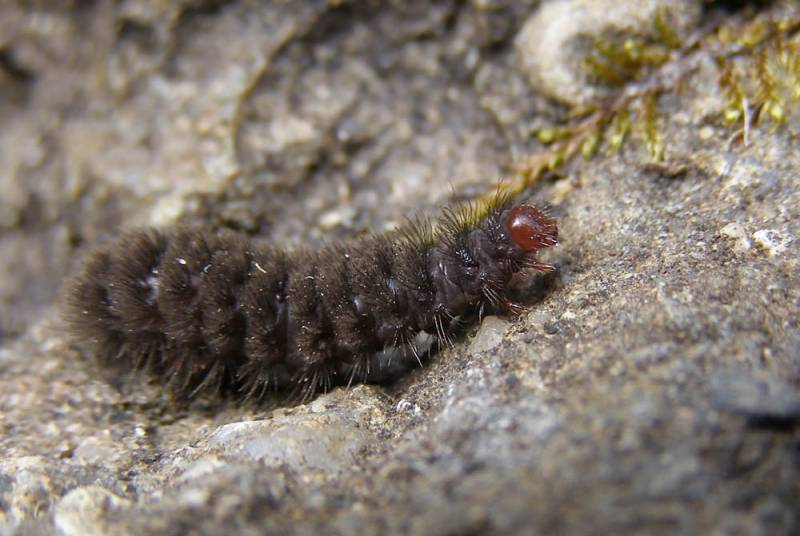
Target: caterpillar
{"type": "Point", "coordinates": [207, 310]}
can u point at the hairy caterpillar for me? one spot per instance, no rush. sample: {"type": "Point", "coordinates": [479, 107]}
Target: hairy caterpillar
{"type": "Point", "coordinates": [207, 309]}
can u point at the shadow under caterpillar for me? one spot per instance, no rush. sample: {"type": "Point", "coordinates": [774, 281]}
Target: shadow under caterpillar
{"type": "Point", "coordinates": [208, 310]}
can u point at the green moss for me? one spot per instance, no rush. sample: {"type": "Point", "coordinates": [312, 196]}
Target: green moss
{"type": "Point", "coordinates": [651, 134]}
{"type": "Point", "coordinates": [615, 61]}
{"type": "Point", "coordinates": [619, 129]}
{"type": "Point", "coordinates": [758, 62]}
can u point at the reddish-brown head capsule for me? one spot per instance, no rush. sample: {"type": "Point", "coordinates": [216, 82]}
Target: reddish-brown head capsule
{"type": "Point", "coordinates": [530, 229]}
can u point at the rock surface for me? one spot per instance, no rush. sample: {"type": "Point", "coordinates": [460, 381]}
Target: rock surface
{"type": "Point", "coordinates": [652, 386]}
{"type": "Point", "coordinates": [553, 44]}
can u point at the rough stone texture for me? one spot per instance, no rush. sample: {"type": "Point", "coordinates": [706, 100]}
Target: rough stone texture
{"type": "Point", "coordinates": [651, 388]}
{"type": "Point", "coordinates": [554, 42]}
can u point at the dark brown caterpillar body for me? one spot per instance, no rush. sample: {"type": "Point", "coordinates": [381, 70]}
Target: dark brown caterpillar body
{"type": "Point", "coordinates": [207, 310]}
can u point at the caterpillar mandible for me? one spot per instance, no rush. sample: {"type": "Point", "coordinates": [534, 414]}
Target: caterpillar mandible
{"type": "Point", "coordinates": [207, 310]}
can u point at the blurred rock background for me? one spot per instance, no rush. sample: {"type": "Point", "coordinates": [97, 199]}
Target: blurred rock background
{"type": "Point", "coordinates": [651, 388]}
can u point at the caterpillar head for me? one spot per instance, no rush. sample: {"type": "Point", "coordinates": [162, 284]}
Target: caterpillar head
{"type": "Point", "coordinates": [530, 229]}
{"type": "Point", "coordinates": [519, 233]}
{"type": "Point", "coordinates": [486, 252]}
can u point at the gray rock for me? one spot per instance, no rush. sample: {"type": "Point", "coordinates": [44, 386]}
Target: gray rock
{"type": "Point", "coordinates": [491, 334]}
{"type": "Point", "coordinates": [553, 43]}
{"type": "Point", "coordinates": [329, 438]}
{"type": "Point", "coordinates": [622, 401]}
{"type": "Point", "coordinates": [766, 400]}
{"type": "Point", "coordinates": [85, 510]}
